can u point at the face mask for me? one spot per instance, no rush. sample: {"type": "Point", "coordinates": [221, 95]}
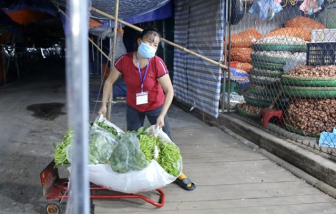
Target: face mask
{"type": "Point", "coordinates": [146, 50]}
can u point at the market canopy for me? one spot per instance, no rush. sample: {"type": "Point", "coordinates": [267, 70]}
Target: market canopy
{"type": "Point", "coordinates": [136, 11]}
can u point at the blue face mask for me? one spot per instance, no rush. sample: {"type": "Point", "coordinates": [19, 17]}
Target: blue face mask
{"type": "Point", "coordinates": [146, 50]}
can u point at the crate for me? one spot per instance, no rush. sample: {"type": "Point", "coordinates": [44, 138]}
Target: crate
{"type": "Point", "coordinates": [323, 35]}
{"type": "Point", "coordinates": [321, 53]}
{"type": "Point", "coordinates": [238, 87]}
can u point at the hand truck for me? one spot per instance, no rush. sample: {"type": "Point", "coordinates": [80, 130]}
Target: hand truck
{"type": "Point", "coordinates": [56, 188]}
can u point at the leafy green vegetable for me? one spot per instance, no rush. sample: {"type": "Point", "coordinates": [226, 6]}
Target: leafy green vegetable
{"type": "Point", "coordinates": [128, 156]}
{"type": "Point", "coordinates": [60, 154]}
{"type": "Point", "coordinates": [108, 128]}
{"type": "Point", "coordinates": [131, 151]}
{"type": "Point", "coordinates": [101, 147]}
{"type": "Point", "coordinates": [147, 145]}
{"type": "Point", "coordinates": [169, 157]}
{"type": "Point", "coordinates": [169, 154]}
{"type": "Point", "coordinates": [142, 130]}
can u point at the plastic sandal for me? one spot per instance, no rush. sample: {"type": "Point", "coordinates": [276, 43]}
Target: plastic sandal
{"type": "Point", "coordinates": [184, 184]}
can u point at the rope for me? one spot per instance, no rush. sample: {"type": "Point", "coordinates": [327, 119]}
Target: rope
{"type": "Point", "coordinates": [293, 2]}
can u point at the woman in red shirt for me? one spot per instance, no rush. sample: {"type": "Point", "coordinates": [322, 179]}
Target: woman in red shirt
{"type": "Point", "coordinates": [149, 88]}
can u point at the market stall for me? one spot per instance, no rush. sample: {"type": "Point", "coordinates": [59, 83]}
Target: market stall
{"type": "Point", "coordinates": [293, 74]}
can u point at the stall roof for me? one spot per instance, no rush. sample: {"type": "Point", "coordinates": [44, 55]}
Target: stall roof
{"type": "Point", "coordinates": [131, 11]}
{"type": "Point", "coordinates": [127, 8]}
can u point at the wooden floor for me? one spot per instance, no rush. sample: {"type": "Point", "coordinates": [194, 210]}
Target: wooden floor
{"type": "Point", "coordinates": [230, 177]}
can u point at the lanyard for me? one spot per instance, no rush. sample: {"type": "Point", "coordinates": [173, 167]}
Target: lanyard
{"type": "Point", "coordinates": [142, 79]}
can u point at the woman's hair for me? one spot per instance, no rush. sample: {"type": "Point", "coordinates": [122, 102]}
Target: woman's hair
{"type": "Point", "coordinates": [150, 30]}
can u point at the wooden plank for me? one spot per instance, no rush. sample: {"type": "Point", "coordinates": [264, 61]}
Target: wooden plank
{"type": "Point", "coordinates": [257, 205]}
{"type": "Point", "coordinates": [230, 177]}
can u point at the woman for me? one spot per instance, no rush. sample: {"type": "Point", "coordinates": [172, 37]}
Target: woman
{"type": "Point", "coordinates": [149, 88]}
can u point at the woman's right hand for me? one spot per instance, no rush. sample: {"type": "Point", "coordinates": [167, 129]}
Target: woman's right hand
{"type": "Point", "coordinates": [102, 110]}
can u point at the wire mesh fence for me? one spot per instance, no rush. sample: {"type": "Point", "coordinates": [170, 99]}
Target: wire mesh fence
{"type": "Point", "coordinates": [286, 53]}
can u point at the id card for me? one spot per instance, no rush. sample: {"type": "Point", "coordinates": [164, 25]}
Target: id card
{"type": "Point", "coordinates": [142, 98]}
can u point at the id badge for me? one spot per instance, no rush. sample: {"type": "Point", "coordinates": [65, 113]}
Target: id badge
{"type": "Point", "coordinates": [142, 98]}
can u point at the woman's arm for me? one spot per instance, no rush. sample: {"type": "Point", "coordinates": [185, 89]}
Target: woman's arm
{"type": "Point", "coordinates": [167, 86]}
{"type": "Point", "coordinates": [108, 89]}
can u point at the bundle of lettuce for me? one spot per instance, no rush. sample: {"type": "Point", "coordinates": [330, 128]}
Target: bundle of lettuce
{"type": "Point", "coordinates": [127, 162]}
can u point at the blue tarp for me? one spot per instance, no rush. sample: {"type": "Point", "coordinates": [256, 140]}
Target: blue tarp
{"type": "Point", "coordinates": [163, 12]}
{"type": "Point", "coordinates": [43, 6]}
{"type": "Point", "coordinates": [199, 26]}
{"type": "Point", "coordinates": [132, 11]}
{"type": "Point", "coordinates": [128, 8]}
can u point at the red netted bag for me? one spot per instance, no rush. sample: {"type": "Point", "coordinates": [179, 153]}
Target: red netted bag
{"type": "Point", "coordinates": [245, 38]}
{"type": "Point", "coordinates": [291, 31]}
{"type": "Point", "coordinates": [304, 22]}
{"type": "Point", "coordinates": [244, 66]}
{"type": "Point", "coordinates": [241, 54]}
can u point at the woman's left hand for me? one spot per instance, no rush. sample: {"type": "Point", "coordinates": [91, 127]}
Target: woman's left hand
{"type": "Point", "coordinates": [160, 122]}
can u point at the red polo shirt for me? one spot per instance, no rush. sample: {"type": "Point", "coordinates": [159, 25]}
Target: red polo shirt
{"type": "Point", "coordinates": [156, 69]}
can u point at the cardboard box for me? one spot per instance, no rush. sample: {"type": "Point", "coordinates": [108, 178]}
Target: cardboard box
{"type": "Point", "coordinates": [323, 35]}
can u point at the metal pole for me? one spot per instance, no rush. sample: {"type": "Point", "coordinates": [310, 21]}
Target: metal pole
{"type": "Point", "coordinates": [78, 106]}
{"type": "Point", "coordinates": [97, 61]}
{"type": "Point", "coordinates": [92, 50]}
{"type": "Point", "coordinates": [229, 73]}
{"type": "Point", "coordinates": [225, 52]}
{"type": "Point", "coordinates": [113, 55]}
{"type": "Point", "coordinates": [99, 49]}
{"type": "Point", "coordinates": [164, 36]}
{"type": "Point", "coordinates": [101, 59]}
{"type": "Point", "coordinates": [4, 63]}
{"type": "Point", "coordinates": [17, 65]}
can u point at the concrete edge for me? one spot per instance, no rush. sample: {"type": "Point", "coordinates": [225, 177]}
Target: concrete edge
{"type": "Point", "coordinates": [314, 169]}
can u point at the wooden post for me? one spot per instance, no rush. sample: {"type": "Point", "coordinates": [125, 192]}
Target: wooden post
{"type": "Point", "coordinates": [113, 55]}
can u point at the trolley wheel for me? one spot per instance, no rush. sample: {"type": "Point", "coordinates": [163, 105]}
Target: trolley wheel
{"type": "Point", "coordinates": [53, 208]}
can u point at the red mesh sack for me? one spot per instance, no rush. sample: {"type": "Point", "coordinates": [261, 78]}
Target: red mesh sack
{"type": "Point", "coordinates": [245, 38]}
{"type": "Point", "coordinates": [244, 66]}
{"type": "Point", "coordinates": [291, 31]}
{"type": "Point", "coordinates": [304, 22]}
{"type": "Point", "coordinates": [241, 54]}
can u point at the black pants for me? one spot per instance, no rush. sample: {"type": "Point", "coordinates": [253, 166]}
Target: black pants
{"type": "Point", "coordinates": [136, 119]}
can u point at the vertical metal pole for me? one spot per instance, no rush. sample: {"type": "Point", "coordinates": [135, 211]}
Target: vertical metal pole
{"type": "Point", "coordinates": [17, 65]}
{"type": "Point", "coordinates": [77, 95]}
{"type": "Point", "coordinates": [111, 39]}
{"type": "Point", "coordinates": [101, 60]}
{"type": "Point", "coordinates": [4, 63]}
{"type": "Point", "coordinates": [110, 55]}
{"type": "Point", "coordinates": [229, 73]}
{"type": "Point", "coordinates": [97, 61]}
{"type": "Point", "coordinates": [164, 36]}
{"type": "Point", "coordinates": [113, 54]}
{"type": "Point", "coordinates": [225, 51]}
{"type": "Point", "coordinates": [93, 54]}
